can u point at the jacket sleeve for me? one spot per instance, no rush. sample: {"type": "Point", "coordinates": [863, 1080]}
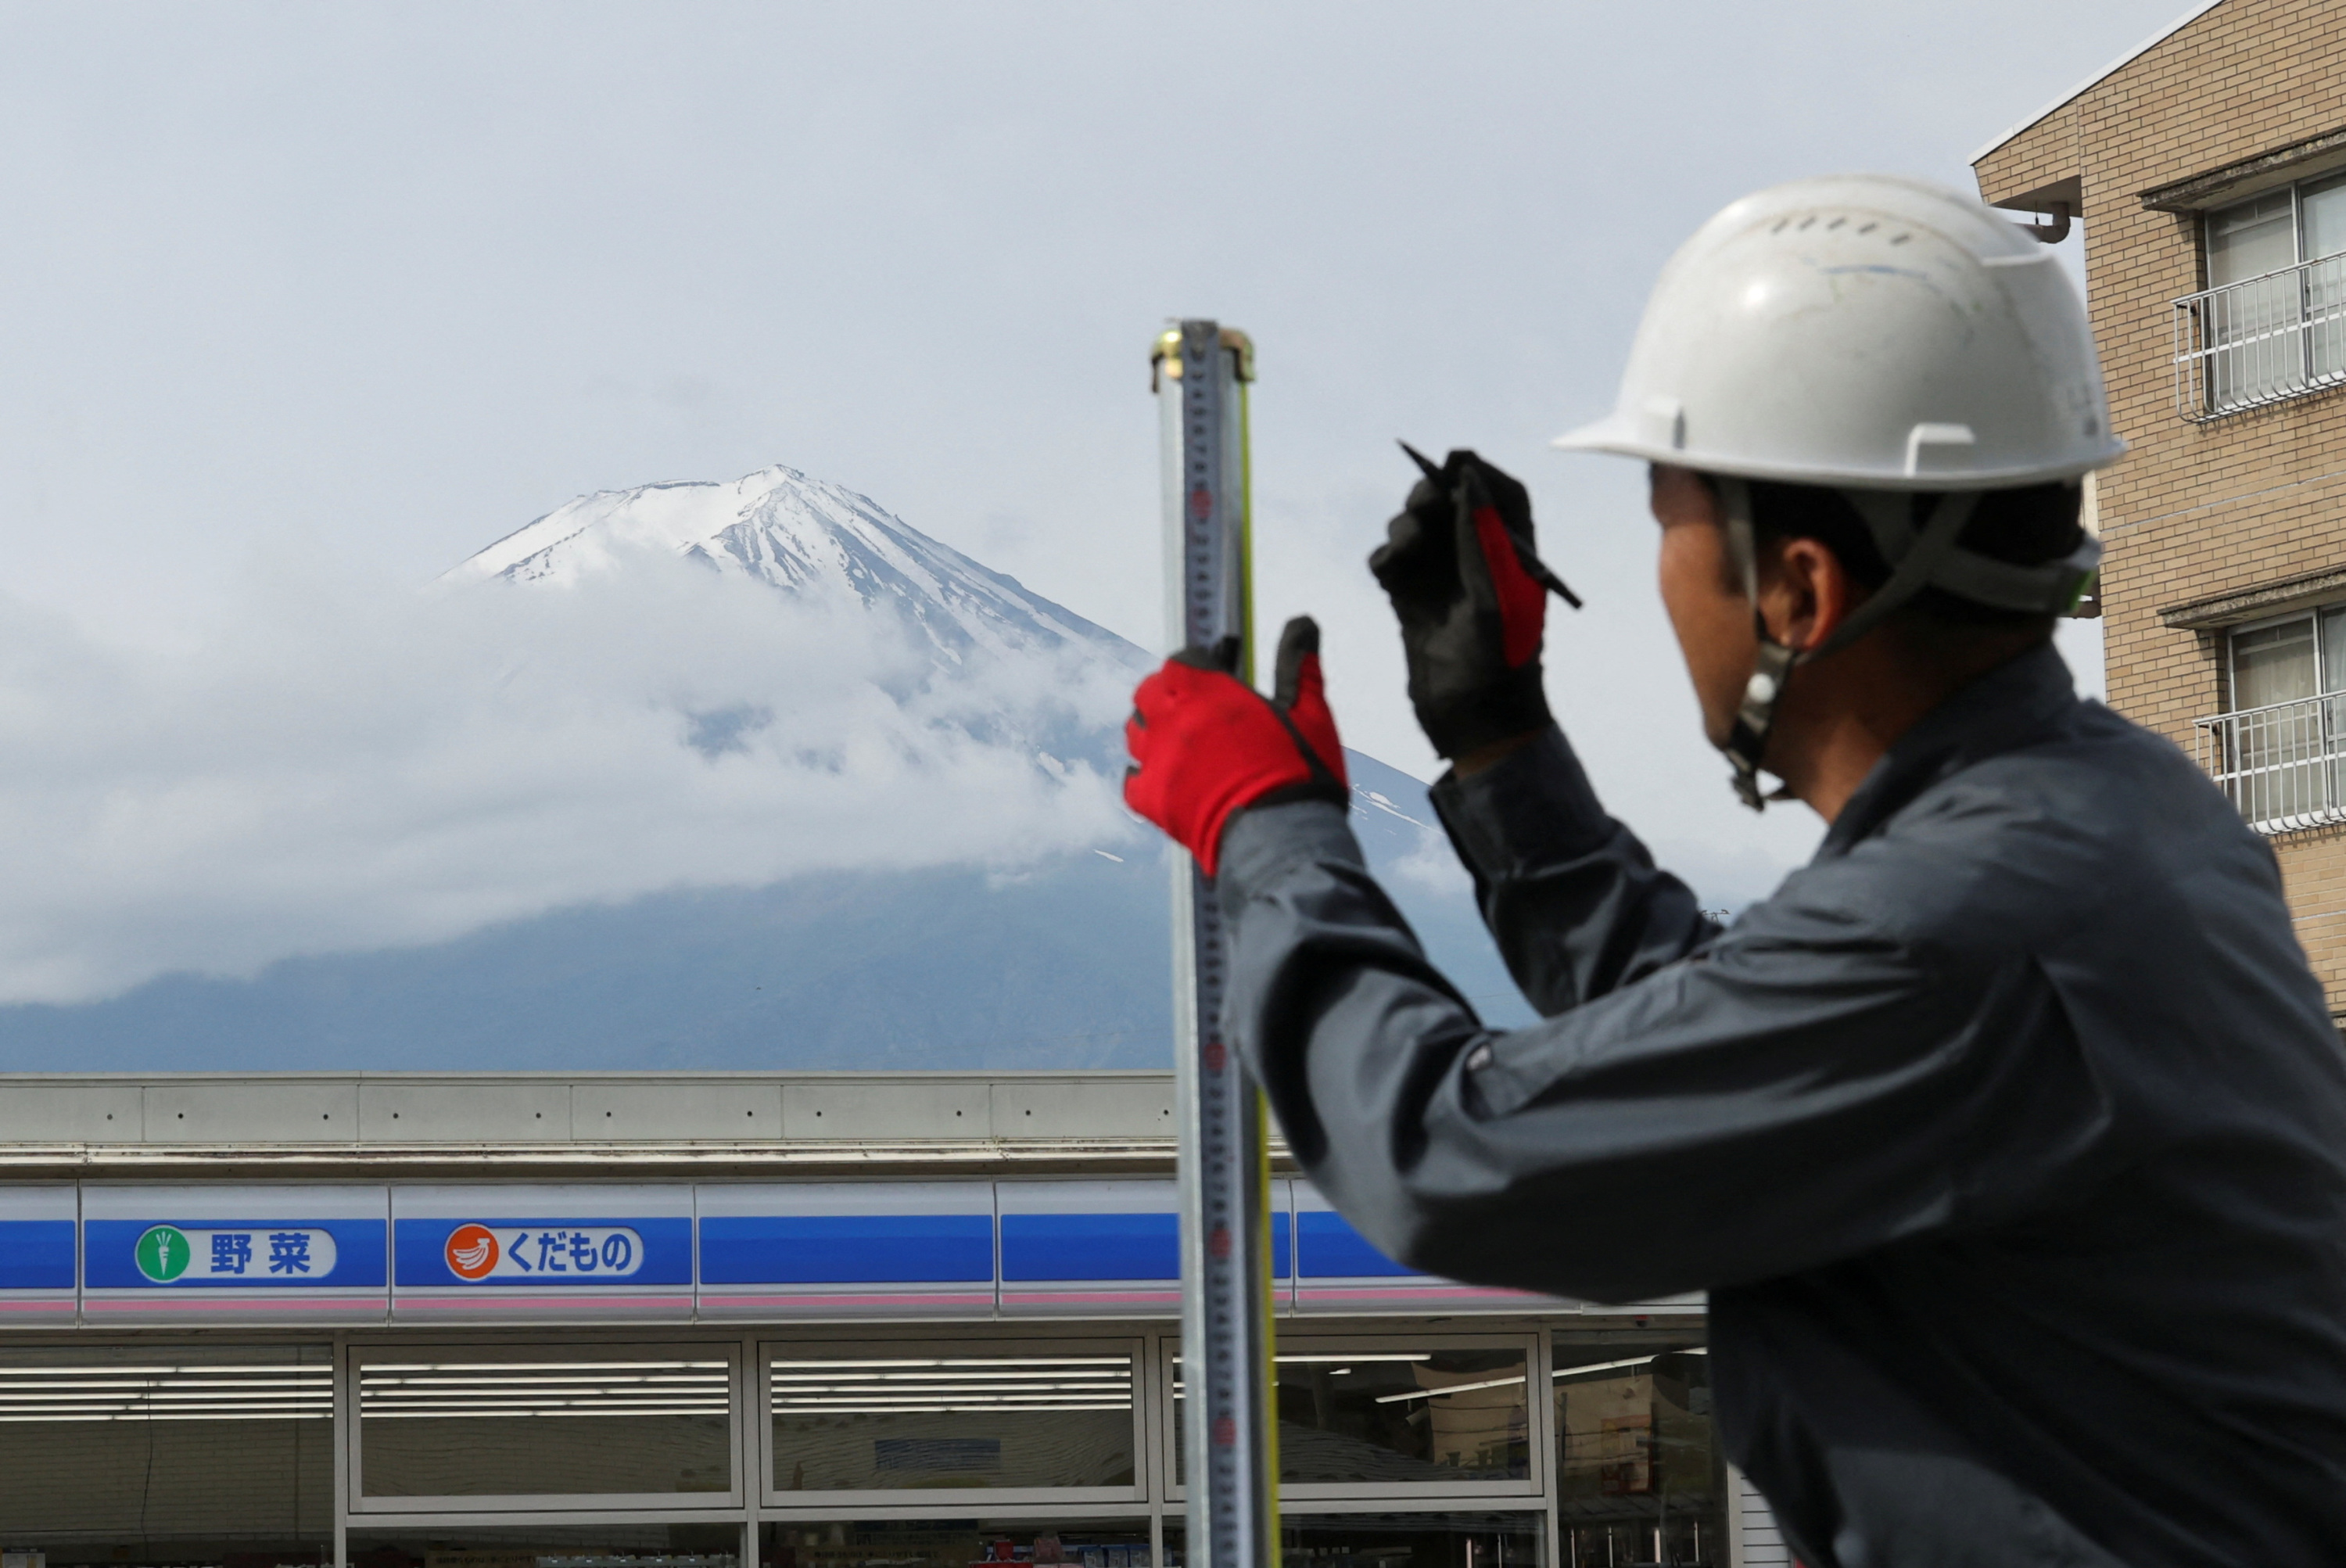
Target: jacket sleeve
{"type": "Point", "coordinates": [1805, 1086]}
{"type": "Point", "coordinates": [1575, 902]}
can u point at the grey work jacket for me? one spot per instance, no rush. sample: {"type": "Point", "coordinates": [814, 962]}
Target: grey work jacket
{"type": "Point", "coordinates": [2008, 1137]}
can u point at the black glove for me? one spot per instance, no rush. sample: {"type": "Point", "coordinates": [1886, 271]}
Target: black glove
{"type": "Point", "coordinates": [1472, 597]}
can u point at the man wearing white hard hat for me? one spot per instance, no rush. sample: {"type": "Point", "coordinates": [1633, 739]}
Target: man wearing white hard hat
{"type": "Point", "coordinates": [2009, 1136]}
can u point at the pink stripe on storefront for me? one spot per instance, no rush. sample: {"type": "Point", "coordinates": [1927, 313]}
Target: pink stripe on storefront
{"type": "Point", "coordinates": [1420, 1293]}
{"type": "Point", "coordinates": [192, 1301]}
{"type": "Point", "coordinates": [508, 1298]}
{"type": "Point", "coordinates": [720, 1299]}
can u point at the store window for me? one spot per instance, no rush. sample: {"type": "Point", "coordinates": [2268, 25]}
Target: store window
{"type": "Point", "coordinates": [1395, 1540]}
{"type": "Point", "coordinates": [154, 1454]}
{"type": "Point", "coordinates": [1639, 1475]}
{"type": "Point", "coordinates": [1008, 1416]}
{"type": "Point", "coordinates": [1373, 1415]}
{"type": "Point", "coordinates": [958, 1543]}
{"type": "Point", "coordinates": [549, 1546]}
{"type": "Point", "coordinates": [628, 1425]}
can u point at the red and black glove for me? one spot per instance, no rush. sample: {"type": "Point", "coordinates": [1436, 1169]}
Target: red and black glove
{"type": "Point", "coordinates": [1206, 745]}
{"type": "Point", "coordinates": [1472, 596]}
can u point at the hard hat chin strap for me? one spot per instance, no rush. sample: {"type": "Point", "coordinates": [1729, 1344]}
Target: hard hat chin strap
{"type": "Point", "coordinates": [1755, 716]}
{"type": "Point", "coordinates": [1915, 561]}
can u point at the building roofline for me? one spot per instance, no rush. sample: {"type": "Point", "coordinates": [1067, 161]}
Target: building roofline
{"type": "Point", "coordinates": [394, 1120]}
{"type": "Point", "coordinates": [781, 1160]}
{"type": "Point", "coordinates": [2107, 71]}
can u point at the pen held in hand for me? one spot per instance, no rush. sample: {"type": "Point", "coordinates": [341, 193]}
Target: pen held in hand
{"type": "Point", "coordinates": [1532, 563]}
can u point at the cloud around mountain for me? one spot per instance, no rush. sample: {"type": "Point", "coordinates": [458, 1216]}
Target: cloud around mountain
{"type": "Point", "coordinates": [620, 704]}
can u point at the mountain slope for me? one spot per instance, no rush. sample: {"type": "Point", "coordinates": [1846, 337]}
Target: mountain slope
{"type": "Point", "coordinates": [1064, 965]}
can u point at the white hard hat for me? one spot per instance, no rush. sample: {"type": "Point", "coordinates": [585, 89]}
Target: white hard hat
{"type": "Point", "coordinates": [1864, 332]}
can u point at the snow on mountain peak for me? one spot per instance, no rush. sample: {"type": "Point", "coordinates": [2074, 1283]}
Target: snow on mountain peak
{"type": "Point", "coordinates": [819, 542]}
{"type": "Point", "coordinates": [1009, 666]}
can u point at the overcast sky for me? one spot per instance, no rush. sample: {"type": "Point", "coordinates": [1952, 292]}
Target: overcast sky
{"type": "Point", "coordinates": [367, 286]}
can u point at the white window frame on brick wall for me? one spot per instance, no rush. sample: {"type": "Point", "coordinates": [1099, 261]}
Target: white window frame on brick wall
{"type": "Point", "coordinates": [2244, 342]}
{"type": "Point", "coordinates": [2281, 761]}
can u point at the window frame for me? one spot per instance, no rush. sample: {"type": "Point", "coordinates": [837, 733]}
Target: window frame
{"type": "Point", "coordinates": [953, 1503]}
{"type": "Point", "coordinates": [2295, 190]}
{"type": "Point", "coordinates": [1394, 1495]}
{"type": "Point", "coordinates": [2269, 336]}
{"type": "Point", "coordinates": [624, 1506]}
{"type": "Point", "coordinates": [2322, 675]}
{"type": "Point", "coordinates": [2208, 237]}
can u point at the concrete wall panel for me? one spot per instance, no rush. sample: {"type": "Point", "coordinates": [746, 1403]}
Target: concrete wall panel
{"type": "Point", "coordinates": [492, 1110]}
{"type": "Point", "coordinates": [93, 1113]}
{"type": "Point", "coordinates": [254, 1111]}
{"type": "Point", "coordinates": [691, 1110]}
{"type": "Point", "coordinates": [887, 1110]}
{"type": "Point", "coordinates": [1073, 1108]}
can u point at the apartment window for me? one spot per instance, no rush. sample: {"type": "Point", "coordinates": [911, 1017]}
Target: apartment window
{"type": "Point", "coordinates": [2276, 751]}
{"type": "Point", "coordinates": [2289, 660]}
{"type": "Point", "coordinates": [2271, 322]}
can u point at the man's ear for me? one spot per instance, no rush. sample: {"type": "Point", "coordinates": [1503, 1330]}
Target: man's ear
{"type": "Point", "coordinates": [1806, 593]}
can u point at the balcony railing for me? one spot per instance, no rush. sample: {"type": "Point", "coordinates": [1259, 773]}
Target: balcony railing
{"type": "Point", "coordinates": [2283, 766]}
{"type": "Point", "coordinates": [2261, 340]}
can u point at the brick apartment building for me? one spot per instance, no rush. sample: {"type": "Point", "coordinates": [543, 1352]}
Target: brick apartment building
{"type": "Point", "coordinates": [2208, 168]}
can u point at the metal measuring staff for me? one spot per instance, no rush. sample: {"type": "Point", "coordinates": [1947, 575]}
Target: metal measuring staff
{"type": "Point", "coordinates": [1199, 372]}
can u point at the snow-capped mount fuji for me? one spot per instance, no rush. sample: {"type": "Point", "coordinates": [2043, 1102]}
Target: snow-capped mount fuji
{"type": "Point", "coordinates": [822, 543]}
{"type": "Point", "coordinates": [834, 551]}
{"type": "Point", "coordinates": [850, 848]}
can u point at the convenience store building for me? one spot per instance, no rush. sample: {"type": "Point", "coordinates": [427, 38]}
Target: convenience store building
{"type": "Point", "coordinates": [900, 1320]}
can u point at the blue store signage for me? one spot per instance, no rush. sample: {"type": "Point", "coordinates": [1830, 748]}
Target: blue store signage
{"type": "Point", "coordinates": [36, 1254]}
{"type": "Point", "coordinates": [846, 1248]}
{"type": "Point", "coordinates": [492, 1251]}
{"type": "Point", "coordinates": [771, 1251]}
{"type": "Point", "coordinates": [36, 1251]}
{"type": "Point", "coordinates": [185, 1252]}
{"type": "Point", "coordinates": [1332, 1248]}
